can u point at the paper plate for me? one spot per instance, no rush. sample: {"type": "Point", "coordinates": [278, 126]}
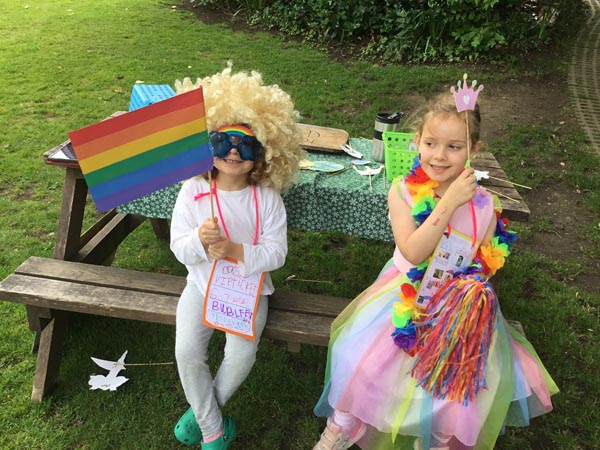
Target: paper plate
{"type": "Point", "coordinates": [326, 166]}
{"type": "Point", "coordinates": [305, 164]}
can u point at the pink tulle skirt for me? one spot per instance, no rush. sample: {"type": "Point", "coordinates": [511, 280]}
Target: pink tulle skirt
{"type": "Point", "coordinates": [370, 377]}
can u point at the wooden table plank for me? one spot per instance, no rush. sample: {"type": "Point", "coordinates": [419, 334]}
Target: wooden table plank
{"type": "Point", "coordinates": [307, 329]}
{"type": "Point", "coordinates": [513, 205]}
{"type": "Point", "coordinates": [135, 280]}
{"type": "Point", "coordinates": [89, 299]}
{"type": "Point", "coordinates": [134, 294]}
{"type": "Point", "coordinates": [310, 304]}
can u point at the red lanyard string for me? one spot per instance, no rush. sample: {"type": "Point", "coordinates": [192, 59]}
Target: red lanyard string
{"type": "Point", "coordinates": [221, 215]}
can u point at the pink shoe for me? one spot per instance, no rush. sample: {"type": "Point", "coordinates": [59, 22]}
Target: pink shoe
{"type": "Point", "coordinates": [333, 439]}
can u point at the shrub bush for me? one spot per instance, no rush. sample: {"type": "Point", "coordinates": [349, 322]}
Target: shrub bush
{"type": "Point", "coordinates": [419, 30]}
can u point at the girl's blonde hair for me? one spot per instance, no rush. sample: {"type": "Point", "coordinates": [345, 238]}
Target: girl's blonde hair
{"type": "Point", "coordinates": [444, 105]}
{"type": "Point", "coordinates": [243, 99]}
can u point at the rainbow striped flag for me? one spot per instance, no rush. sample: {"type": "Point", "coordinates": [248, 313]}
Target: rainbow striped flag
{"type": "Point", "coordinates": [142, 151]}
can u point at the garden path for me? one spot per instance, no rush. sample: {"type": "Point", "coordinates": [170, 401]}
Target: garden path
{"type": "Point", "coordinates": [584, 76]}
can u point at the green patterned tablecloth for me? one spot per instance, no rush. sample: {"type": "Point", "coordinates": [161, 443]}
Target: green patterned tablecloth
{"type": "Point", "coordinates": [342, 201]}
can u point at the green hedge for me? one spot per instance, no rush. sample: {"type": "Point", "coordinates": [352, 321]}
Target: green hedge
{"type": "Point", "coordinates": [419, 30]}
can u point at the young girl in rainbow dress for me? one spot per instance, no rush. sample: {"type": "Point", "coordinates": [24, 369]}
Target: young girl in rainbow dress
{"type": "Point", "coordinates": [445, 372]}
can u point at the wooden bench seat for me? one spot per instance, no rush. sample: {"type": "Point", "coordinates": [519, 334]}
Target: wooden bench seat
{"type": "Point", "coordinates": [50, 288]}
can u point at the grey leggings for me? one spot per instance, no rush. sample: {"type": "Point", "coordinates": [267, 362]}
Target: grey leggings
{"type": "Point", "coordinates": [205, 395]}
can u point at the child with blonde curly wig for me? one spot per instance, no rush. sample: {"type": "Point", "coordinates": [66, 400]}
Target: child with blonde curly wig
{"type": "Point", "coordinates": [256, 147]}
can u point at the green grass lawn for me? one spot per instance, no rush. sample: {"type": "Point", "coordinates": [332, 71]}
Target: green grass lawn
{"type": "Point", "coordinates": [66, 64]}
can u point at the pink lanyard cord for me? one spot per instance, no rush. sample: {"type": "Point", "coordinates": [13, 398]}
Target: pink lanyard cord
{"type": "Point", "coordinates": [473, 221]}
{"type": "Point", "coordinates": [221, 215]}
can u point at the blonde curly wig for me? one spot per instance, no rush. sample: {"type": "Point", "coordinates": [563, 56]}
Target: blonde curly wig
{"type": "Point", "coordinates": [242, 98]}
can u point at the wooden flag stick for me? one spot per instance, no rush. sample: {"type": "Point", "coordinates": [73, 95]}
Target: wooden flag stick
{"type": "Point", "coordinates": [501, 195]}
{"type": "Point", "coordinates": [149, 364]}
{"type": "Point", "coordinates": [210, 195]}
{"type": "Point", "coordinates": [468, 140]}
{"type": "Point", "coordinates": [508, 181]}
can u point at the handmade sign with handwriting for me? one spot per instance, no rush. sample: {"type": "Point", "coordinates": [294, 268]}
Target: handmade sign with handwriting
{"type": "Point", "coordinates": [231, 299]}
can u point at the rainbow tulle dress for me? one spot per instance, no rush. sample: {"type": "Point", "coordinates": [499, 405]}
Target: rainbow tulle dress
{"type": "Point", "coordinates": [369, 376]}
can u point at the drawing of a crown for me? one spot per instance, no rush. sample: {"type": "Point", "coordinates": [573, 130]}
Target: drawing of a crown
{"type": "Point", "coordinates": [466, 97]}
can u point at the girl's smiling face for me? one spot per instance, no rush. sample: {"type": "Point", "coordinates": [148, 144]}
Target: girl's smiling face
{"type": "Point", "coordinates": [235, 150]}
{"type": "Point", "coordinates": [233, 164]}
{"type": "Point", "coordinates": [442, 145]}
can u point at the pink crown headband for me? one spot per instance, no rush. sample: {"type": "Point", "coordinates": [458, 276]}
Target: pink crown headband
{"type": "Point", "coordinates": [466, 97]}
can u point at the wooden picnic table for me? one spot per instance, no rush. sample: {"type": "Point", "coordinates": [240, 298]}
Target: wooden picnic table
{"type": "Point", "coordinates": [343, 200]}
{"type": "Point", "coordinates": [51, 289]}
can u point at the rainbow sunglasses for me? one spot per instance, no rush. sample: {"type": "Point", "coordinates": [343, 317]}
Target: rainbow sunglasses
{"type": "Point", "coordinates": [235, 136]}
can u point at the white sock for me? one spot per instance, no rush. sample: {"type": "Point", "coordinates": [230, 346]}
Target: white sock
{"type": "Point", "coordinates": [441, 438]}
{"type": "Point", "coordinates": [346, 421]}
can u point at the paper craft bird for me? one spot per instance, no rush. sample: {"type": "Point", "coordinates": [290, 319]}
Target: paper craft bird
{"type": "Point", "coordinates": [369, 171]}
{"type": "Point", "coordinates": [111, 381]}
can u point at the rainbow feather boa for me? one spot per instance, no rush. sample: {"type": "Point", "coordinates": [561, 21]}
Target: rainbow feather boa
{"type": "Point", "coordinates": [412, 325]}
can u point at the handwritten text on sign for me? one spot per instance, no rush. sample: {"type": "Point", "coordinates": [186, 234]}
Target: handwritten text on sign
{"type": "Point", "coordinates": [231, 299]}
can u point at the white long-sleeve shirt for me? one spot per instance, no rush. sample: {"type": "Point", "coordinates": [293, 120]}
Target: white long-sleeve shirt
{"type": "Point", "coordinates": [239, 214]}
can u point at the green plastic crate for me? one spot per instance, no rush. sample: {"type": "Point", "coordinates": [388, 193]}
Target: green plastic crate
{"type": "Point", "coordinates": [400, 151]}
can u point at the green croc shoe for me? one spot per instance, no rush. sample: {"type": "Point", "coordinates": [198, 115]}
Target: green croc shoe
{"type": "Point", "coordinates": [229, 433]}
{"type": "Point", "coordinates": [187, 430]}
